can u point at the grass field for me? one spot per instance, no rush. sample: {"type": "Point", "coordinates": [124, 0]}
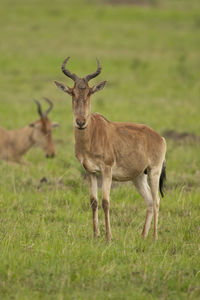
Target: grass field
{"type": "Point", "coordinates": [150, 57]}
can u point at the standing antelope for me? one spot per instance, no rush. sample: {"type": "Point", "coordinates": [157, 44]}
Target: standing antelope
{"type": "Point", "coordinates": [15, 143]}
{"type": "Point", "coordinates": [119, 151]}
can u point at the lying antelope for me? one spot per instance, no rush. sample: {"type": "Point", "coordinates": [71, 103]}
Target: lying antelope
{"type": "Point", "coordinates": [15, 143]}
{"type": "Point", "coordinates": [119, 151]}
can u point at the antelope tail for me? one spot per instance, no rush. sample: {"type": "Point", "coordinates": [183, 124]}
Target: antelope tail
{"type": "Point", "coordinates": [162, 179]}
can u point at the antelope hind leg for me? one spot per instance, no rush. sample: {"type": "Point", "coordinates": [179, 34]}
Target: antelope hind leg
{"type": "Point", "coordinates": [106, 186]}
{"type": "Point", "coordinates": [143, 189]}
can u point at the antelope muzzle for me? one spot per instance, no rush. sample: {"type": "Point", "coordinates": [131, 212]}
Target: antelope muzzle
{"type": "Point", "coordinates": [81, 121]}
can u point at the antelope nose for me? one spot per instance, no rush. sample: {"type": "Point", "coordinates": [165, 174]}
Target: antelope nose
{"type": "Point", "coordinates": [80, 122]}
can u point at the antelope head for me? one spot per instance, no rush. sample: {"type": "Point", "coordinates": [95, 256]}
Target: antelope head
{"type": "Point", "coordinates": [42, 133]}
{"type": "Point", "coordinates": [81, 93]}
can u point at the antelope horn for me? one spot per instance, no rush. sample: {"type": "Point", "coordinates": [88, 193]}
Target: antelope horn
{"type": "Point", "coordinates": [50, 107]}
{"type": "Point", "coordinates": [98, 71]}
{"type": "Point", "coordinates": [67, 72]}
{"type": "Point", "coordinates": [39, 108]}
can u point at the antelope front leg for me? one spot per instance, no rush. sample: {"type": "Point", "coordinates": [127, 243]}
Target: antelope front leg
{"type": "Point", "coordinates": [92, 181]}
{"type": "Point", "coordinates": [106, 185]}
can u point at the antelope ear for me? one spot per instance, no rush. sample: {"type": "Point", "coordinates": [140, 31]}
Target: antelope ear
{"type": "Point", "coordinates": [64, 88]}
{"type": "Point", "coordinates": [54, 125]}
{"type": "Point", "coordinates": [99, 86]}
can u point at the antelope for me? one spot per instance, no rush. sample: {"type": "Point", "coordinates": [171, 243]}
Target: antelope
{"type": "Point", "coordinates": [15, 143]}
{"type": "Point", "coordinates": [119, 151]}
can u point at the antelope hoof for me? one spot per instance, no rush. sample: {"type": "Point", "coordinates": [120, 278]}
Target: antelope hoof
{"type": "Point", "coordinates": [96, 235]}
{"type": "Point", "coordinates": [144, 236]}
{"type": "Point", "coordinates": [155, 237]}
{"type": "Point", "coordinates": [108, 239]}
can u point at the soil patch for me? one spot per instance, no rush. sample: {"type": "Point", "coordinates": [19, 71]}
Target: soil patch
{"type": "Point", "coordinates": [131, 2]}
{"type": "Point", "coordinates": [181, 137]}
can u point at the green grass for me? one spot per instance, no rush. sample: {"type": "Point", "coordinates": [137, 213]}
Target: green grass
{"type": "Point", "coordinates": [150, 57]}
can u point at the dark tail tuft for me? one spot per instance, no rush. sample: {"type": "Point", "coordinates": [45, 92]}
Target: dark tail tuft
{"type": "Point", "coordinates": [162, 179]}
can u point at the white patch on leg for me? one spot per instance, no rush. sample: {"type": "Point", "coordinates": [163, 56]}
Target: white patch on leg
{"type": "Point", "coordinates": [144, 190]}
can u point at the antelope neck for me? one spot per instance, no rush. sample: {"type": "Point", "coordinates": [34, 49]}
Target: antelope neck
{"type": "Point", "coordinates": [82, 137]}
{"type": "Point", "coordinates": [27, 138]}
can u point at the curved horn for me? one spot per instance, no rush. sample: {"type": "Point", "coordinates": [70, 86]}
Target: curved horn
{"type": "Point", "coordinates": [67, 72]}
{"type": "Point", "coordinates": [50, 106]}
{"type": "Point", "coordinates": [98, 71]}
{"type": "Point", "coordinates": [39, 108]}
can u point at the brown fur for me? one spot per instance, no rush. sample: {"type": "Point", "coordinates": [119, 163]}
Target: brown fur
{"type": "Point", "coordinates": [119, 151]}
{"type": "Point", "coordinates": [128, 147]}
